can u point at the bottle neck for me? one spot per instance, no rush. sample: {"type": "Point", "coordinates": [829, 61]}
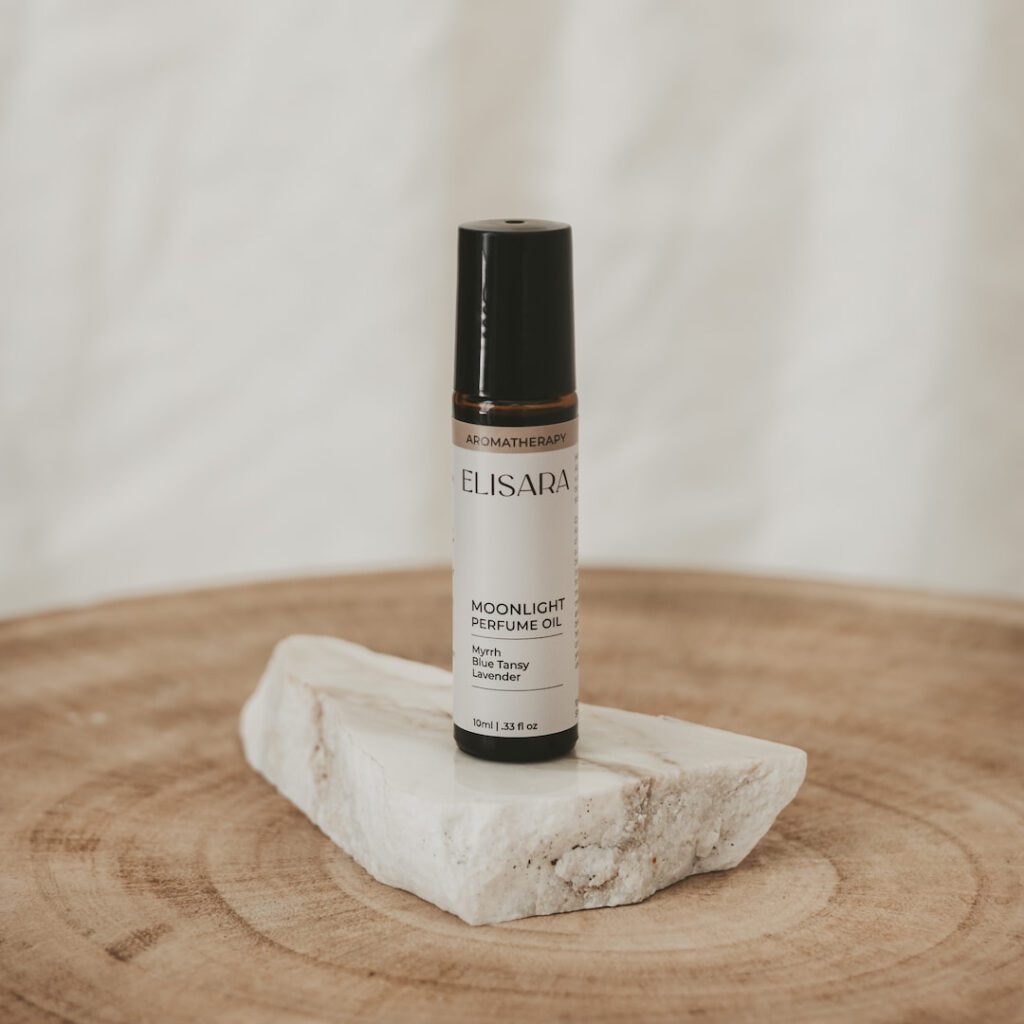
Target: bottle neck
{"type": "Point", "coordinates": [475, 409]}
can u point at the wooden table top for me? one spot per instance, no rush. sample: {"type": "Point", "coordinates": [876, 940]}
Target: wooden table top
{"type": "Point", "coordinates": [146, 873]}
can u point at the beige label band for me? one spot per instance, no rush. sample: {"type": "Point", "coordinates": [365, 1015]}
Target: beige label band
{"type": "Point", "coordinates": [515, 440]}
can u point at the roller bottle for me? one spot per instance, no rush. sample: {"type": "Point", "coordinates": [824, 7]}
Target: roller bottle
{"type": "Point", "coordinates": [515, 625]}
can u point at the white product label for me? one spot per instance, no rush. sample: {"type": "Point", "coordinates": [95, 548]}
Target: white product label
{"type": "Point", "coordinates": [515, 651]}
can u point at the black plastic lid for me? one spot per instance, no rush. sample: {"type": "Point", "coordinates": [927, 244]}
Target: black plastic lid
{"type": "Point", "coordinates": [514, 324]}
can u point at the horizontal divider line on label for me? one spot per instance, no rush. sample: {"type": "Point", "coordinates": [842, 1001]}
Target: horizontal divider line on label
{"type": "Point", "coordinates": [528, 689]}
{"type": "Point", "coordinates": [505, 636]}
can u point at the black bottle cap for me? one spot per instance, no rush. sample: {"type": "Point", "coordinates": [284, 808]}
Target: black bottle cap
{"type": "Point", "coordinates": [514, 323]}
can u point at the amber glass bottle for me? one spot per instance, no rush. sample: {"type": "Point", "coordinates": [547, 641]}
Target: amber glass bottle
{"type": "Point", "coordinates": [515, 626]}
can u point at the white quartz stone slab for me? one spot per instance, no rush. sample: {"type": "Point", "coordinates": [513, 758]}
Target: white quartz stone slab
{"type": "Point", "coordinates": [362, 744]}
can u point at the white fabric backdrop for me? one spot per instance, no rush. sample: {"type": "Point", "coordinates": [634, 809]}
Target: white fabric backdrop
{"type": "Point", "coordinates": [227, 239]}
